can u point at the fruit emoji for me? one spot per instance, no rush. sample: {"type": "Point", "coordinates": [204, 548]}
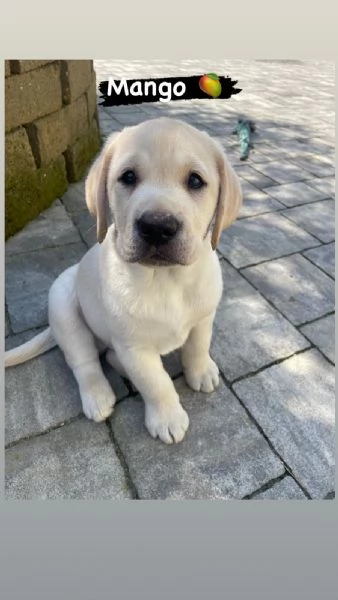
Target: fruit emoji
{"type": "Point", "coordinates": [210, 84]}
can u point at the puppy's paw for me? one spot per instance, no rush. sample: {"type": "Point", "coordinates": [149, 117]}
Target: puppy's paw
{"type": "Point", "coordinates": [169, 423]}
{"type": "Point", "coordinates": [205, 379]}
{"type": "Point", "coordinates": [98, 400]}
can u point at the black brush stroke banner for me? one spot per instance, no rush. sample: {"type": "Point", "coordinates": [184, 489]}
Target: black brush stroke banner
{"type": "Point", "coordinates": [192, 91]}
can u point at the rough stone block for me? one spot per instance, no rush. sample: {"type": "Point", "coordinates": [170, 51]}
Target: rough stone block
{"type": "Point", "coordinates": [33, 192]}
{"type": "Point", "coordinates": [294, 403]}
{"type": "Point", "coordinates": [82, 152]}
{"type": "Point", "coordinates": [7, 68]}
{"type": "Point", "coordinates": [22, 66]}
{"type": "Point", "coordinates": [76, 78]}
{"type": "Point", "coordinates": [18, 156]}
{"type": "Point", "coordinates": [55, 132]}
{"type": "Point", "coordinates": [32, 95]}
{"type": "Point", "coordinates": [92, 99]}
{"type": "Point", "coordinates": [222, 456]}
{"type": "Point", "coordinates": [63, 465]}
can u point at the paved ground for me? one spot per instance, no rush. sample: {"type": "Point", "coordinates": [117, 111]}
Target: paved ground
{"type": "Point", "coordinates": [268, 431]}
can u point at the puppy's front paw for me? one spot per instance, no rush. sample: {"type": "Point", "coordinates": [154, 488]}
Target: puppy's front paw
{"type": "Point", "coordinates": [98, 400]}
{"type": "Point", "coordinates": [169, 423]}
{"type": "Point", "coordinates": [204, 379]}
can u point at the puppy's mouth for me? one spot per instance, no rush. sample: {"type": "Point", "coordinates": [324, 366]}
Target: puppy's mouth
{"type": "Point", "coordinates": [154, 257]}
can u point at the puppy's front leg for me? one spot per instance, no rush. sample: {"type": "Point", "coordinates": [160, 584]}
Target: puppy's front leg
{"type": "Point", "coordinates": [200, 371]}
{"type": "Point", "coordinates": [164, 416]}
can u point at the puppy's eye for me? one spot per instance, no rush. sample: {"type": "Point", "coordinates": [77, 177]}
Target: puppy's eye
{"type": "Point", "coordinates": [195, 181]}
{"type": "Point", "coordinates": [128, 177]}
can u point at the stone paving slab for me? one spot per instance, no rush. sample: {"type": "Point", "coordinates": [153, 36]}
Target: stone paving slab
{"type": "Point", "coordinates": [76, 461]}
{"type": "Point", "coordinates": [222, 456]}
{"type": "Point", "coordinates": [42, 393]}
{"type": "Point", "coordinates": [253, 240]}
{"type": "Point", "coordinates": [86, 225]}
{"type": "Point", "coordinates": [248, 333]}
{"type": "Point", "coordinates": [317, 219]}
{"type": "Point", "coordinates": [294, 404]}
{"type": "Point", "coordinates": [172, 363]}
{"type": "Point", "coordinates": [301, 291]}
{"type": "Point", "coordinates": [321, 333]}
{"type": "Point", "coordinates": [107, 122]}
{"type": "Point", "coordinates": [321, 145]}
{"type": "Point", "coordinates": [74, 199]}
{"type": "Point", "coordinates": [234, 157]}
{"type": "Point", "coordinates": [317, 165]}
{"type": "Point", "coordinates": [324, 257]}
{"type": "Point", "coordinates": [283, 172]}
{"type": "Point", "coordinates": [256, 202]}
{"type": "Point", "coordinates": [255, 177]}
{"type": "Point", "coordinates": [258, 156]}
{"type": "Point", "coordinates": [292, 194]}
{"type": "Point", "coordinates": [51, 228]}
{"type": "Point", "coordinates": [7, 325]}
{"type": "Point", "coordinates": [130, 118]}
{"type": "Point", "coordinates": [326, 185]}
{"type": "Point", "coordinates": [285, 489]}
{"type": "Point", "coordinates": [270, 153]}
{"type": "Point", "coordinates": [28, 280]}
{"type": "Point", "coordinates": [315, 146]}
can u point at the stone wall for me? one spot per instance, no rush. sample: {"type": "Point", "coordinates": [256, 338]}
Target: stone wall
{"type": "Point", "coordinates": [52, 133]}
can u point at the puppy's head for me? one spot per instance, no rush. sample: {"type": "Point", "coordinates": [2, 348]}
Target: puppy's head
{"type": "Point", "coordinates": [169, 189]}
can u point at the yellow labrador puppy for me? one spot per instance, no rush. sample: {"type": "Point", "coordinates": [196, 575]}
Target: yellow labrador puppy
{"type": "Point", "coordinates": [153, 282]}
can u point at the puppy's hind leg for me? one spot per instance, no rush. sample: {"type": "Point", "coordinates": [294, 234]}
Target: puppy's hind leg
{"type": "Point", "coordinates": [78, 344]}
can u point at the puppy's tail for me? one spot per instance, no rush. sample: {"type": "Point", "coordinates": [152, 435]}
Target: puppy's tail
{"type": "Point", "coordinates": [38, 345]}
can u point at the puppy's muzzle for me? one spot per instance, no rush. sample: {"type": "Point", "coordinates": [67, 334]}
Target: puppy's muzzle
{"type": "Point", "coordinates": [157, 229]}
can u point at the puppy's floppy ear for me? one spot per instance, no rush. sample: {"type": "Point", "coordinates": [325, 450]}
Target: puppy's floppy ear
{"type": "Point", "coordinates": [96, 187]}
{"type": "Point", "coordinates": [229, 197]}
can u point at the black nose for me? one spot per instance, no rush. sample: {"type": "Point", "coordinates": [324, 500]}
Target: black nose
{"type": "Point", "coordinates": [156, 228]}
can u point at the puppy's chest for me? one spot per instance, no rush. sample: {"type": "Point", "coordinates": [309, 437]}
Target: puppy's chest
{"type": "Point", "coordinates": [165, 316]}
{"type": "Point", "coordinates": [160, 309]}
